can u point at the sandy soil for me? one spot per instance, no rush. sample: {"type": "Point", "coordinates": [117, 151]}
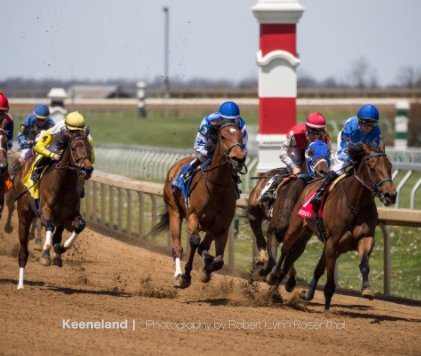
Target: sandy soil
{"type": "Point", "coordinates": [106, 279]}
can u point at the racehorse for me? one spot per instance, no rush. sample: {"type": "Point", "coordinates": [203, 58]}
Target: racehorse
{"type": "Point", "coordinates": [14, 167]}
{"type": "Point", "coordinates": [59, 190]}
{"type": "Point", "coordinates": [317, 162]}
{"type": "Point", "coordinates": [211, 205]}
{"type": "Point", "coordinates": [3, 166]}
{"type": "Point", "coordinates": [349, 216]}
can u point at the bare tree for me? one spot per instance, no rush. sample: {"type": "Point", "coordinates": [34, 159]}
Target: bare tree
{"type": "Point", "coordinates": [409, 77]}
{"type": "Point", "coordinates": [362, 75]}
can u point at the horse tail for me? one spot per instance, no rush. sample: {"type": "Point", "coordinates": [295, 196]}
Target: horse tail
{"type": "Point", "coordinates": [163, 224]}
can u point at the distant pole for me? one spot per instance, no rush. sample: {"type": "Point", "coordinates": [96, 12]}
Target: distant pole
{"type": "Point", "coordinates": [401, 124]}
{"type": "Point", "coordinates": [141, 98]}
{"type": "Point", "coordinates": [167, 52]}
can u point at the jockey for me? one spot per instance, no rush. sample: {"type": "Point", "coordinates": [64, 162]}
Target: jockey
{"type": "Point", "coordinates": [6, 121]}
{"type": "Point", "coordinates": [33, 124]}
{"type": "Point", "coordinates": [51, 144]}
{"type": "Point", "coordinates": [292, 153]}
{"type": "Point", "coordinates": [361, 128]}
{"type": "Point", "coordinates": [205, 143]}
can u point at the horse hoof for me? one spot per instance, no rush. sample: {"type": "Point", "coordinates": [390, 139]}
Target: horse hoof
{"type": "Point", "coordinates": [57, 261]}
{"type": "Point", "coordinates": [177, 277]}
{"type": "Point", "coordinates": [205, 277]}
{"type": "Point", "coordinates": [307, 295]}
{"type": "Point", "coordinates": [368, 293]}
{"type": "Point", "coordinates": [290, 284]}
{"type": "Point", "coordinates": [59, 249]}
{"type": "Point", "coordinates": [263, 272]}
{"type": "Point", "coordinates": [271, 279]}
{"type": "Point", "coordinates": [20, 287]}
{"type": "Point", "coordinates": [8, 228]}
{"type": "Point", "coordinates": [45, 260]}
{"type": "Point", "coordinates": [185, 281]}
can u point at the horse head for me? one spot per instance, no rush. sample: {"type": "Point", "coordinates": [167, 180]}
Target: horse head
{"type": "Point", "coordinates": [3, 151]}
{"type": "Point", "coordinates": [318, 158]}
{"type": "Point", "coordinates": [230, 145]}
{"type": "Point", "coordinates": [80, 152]}
{"type": "Point", "coordinates": [375, 173]}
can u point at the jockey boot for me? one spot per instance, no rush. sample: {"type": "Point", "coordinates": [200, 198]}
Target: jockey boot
{"type": "Point", "coordinates": [193, 165]}
{"type": "Point", "coordinates": [268, 192]}
{"type": "Point", "coordinates": [38, 167]}
{"type": "Point", "coordinates": [317, 198]}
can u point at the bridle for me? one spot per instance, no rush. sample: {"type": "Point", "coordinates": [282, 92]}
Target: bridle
{"type": "Point", "coordinates": [375, 186]}
{"type": "Point", "coordinates": [75, 162]}
{"type": "Point", "coordinates": [227, 151]}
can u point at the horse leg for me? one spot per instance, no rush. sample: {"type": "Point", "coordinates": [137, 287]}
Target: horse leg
{"type": "Point", "coordinates": [330, 258]}
{"type": "Point", "coordinates": [78, 224]}
{"type": "Point", "coordinates": [218, 262]}
{"type": "Point", "coordinates": [194, 241]}
{"type": "Point", "coordinates": [203, 251]}
{"type": "Point", "coordinates": [45, 259]}
{"type": "Point", "coordinates": [365, 246]}
{"type": "Point", "coordinates": [177, 250]}
{"type": "Point", "coordinates": [38, 232]}
{"type": "Point", "coordinates": [291, 281]}
{"type": "Point", "coordinates": [10, 203]}
{"type": "Point", "coordinates": [318, 272]}
{"type": "Point", "coordinates": [256, 218]}
{"type": "Point", "coordinates": [24, 224]}
{"type": "Point", "coordinates": [57, 261]}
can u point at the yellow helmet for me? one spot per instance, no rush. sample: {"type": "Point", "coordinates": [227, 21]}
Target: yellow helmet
{"type": "Point", "coordinates": [75, 121]}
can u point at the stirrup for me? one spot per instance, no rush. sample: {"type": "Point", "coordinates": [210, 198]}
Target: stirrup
{"type": "Point", "coordinates": [35, 177]}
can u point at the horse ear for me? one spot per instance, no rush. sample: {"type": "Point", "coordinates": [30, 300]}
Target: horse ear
{"type": "Point", "coordinates": [365, 148]}
{"type": "Point", "coordinates": [382, 146]}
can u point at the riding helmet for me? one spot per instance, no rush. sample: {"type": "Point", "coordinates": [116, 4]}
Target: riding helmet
{"type": "Point", "coordinates": [42, 111]}
{"type": "Point", "coordinates": [229, 110]}
{"type": "Point", "coordinates": [368, 112]}
{"type": "Point", "coordinates": [316, 121]}
{"type": "Point", "coordinates": [4, 103]}
{"type": "Point", "coordinates": [75, 121]}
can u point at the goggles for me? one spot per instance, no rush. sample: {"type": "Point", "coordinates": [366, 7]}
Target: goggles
{"type": "Point", "coordinates": [367, 123]}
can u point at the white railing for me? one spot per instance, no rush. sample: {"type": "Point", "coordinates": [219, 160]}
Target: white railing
{"type": "Point", "coordinates": [152, 163]}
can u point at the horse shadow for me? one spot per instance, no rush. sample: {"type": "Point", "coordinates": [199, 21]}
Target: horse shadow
{"type": "Point", "coordinates": [352, 311]}
{"type": "Point", "coordinates": [67, 290]}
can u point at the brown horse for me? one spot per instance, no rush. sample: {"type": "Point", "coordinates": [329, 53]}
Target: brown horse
{"type": "Point", "coordinates": [317, 161]}
{"type": "Point", "coordinates": [3, 166]}
{"type": "Point", "coordinates": [212, 204]}
{"type": "Point", "coordinates": [59, 200]}
{"type": "Point", "coordinates": [349, 217]}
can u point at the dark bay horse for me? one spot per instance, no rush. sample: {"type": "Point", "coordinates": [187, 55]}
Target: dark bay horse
{"type": "Point", "coordinates": [59, 192]}
{"type": "Point", "coordinates": [349, 217]}
{"type": "Point", "coordinates": [317, 162]}
{"type": "Point", "coordinates": [3, 166]}
{"type": "Point", "coordinates": [212, 204]}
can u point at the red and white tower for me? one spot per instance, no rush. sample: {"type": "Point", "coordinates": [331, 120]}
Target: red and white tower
{"type": "Point", "coordinates": [277, 60]}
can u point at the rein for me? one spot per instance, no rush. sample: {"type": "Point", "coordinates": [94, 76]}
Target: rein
{"type": "Point", "coordinates": [226, 152]}
{"type": "Point", "coordinates": [374, 188]}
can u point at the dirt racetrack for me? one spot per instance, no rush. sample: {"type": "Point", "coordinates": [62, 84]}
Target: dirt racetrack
{"type": "Point", "coordinates": [106, 279]}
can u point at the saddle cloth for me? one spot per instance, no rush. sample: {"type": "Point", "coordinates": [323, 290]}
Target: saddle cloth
{"type": "Point", "coordinates": [307, 210]}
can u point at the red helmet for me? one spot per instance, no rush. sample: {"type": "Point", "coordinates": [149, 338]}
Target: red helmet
{"type": "Point", "coordinates": [316, 121]}
{"type": "Point", "coordinates": [4, 103]}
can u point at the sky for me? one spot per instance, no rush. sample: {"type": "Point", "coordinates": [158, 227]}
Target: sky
{"type": "Point", "coordinates": [212, 39]}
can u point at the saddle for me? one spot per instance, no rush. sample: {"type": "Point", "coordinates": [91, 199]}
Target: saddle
{"type": "Point", "coordinates": [307, 210]}
{"type": "Point", "coordinates": [32, 187]}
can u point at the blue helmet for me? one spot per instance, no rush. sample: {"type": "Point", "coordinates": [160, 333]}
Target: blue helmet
{"type": "Point", "coordinates": [368, 112]}
{"type": "Point", "coordinates": [229, 110]}
{"type": "Point", "coordinates": [42, 111]}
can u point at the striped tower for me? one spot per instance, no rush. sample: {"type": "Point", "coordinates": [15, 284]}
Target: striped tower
{"type": "Point", "coordinates": [277, 61]}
